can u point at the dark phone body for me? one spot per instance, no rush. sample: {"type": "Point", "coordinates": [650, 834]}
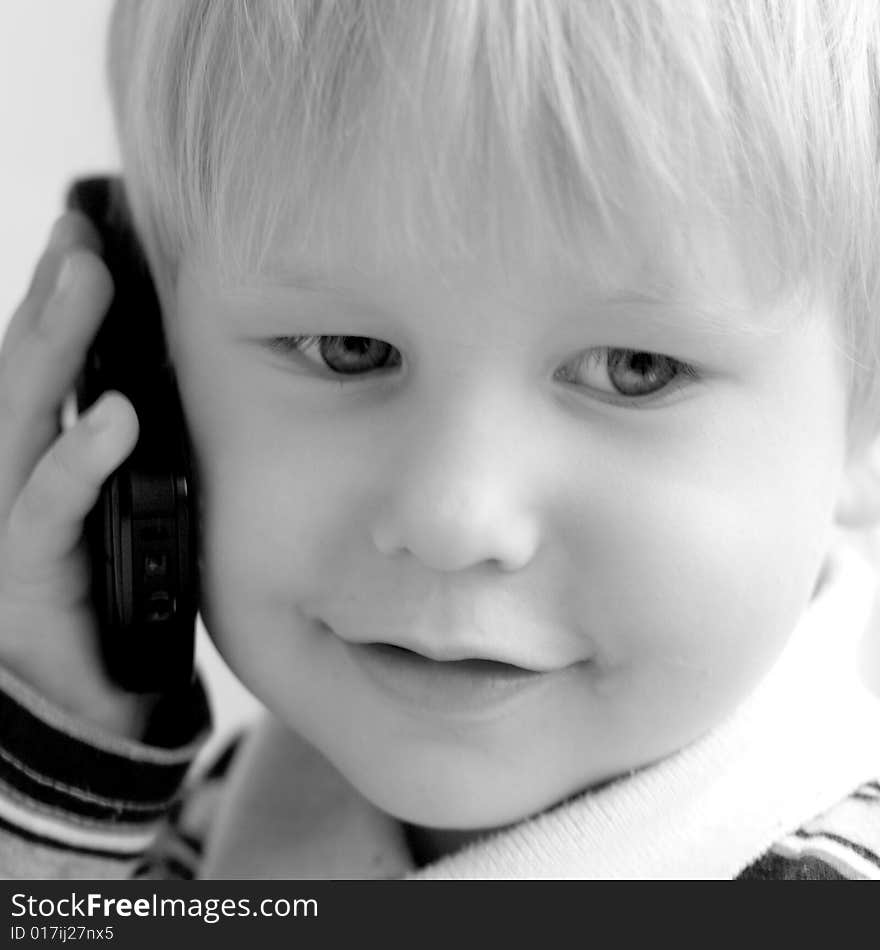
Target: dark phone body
{"type": "Point", "coordinates": [141, 535]}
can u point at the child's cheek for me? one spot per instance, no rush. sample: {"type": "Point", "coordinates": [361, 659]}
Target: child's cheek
{"type": "Point", "coordinates": [690, 583]}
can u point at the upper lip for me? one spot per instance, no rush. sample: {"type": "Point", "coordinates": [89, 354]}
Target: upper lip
{"type": "Point", "coordinates": [460, 654]}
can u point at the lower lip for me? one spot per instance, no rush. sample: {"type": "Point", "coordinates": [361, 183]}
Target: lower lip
{"type": "Point", "coordinates": [463, 686]}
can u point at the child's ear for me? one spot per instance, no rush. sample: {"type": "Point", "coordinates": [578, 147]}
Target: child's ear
{"type": "Point", "coordinates": [858, 504]}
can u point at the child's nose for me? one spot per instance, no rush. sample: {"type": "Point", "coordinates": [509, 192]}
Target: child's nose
{"type": "Point", "coordinates": [459, 495]}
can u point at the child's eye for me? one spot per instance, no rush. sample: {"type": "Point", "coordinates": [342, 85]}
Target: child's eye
{"type": "Point", "coordinates": [345, 355]}
{"type": "Point", "coordinates": [619, 372]}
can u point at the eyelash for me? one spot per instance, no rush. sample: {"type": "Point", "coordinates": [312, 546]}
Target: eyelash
{"type": "Point", "coordinates": [682, 372]}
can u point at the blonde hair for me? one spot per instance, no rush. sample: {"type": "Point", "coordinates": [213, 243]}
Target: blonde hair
{"type": "Point", "coordinates": [239, 119]}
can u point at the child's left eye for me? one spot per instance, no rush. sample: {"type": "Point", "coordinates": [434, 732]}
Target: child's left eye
{"type": "Point", "coordinates": [626, 373]}
{"type": "Point", "coordinates": [345, 355]}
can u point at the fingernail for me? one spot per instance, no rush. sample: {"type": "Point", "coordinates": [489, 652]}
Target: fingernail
{"type": "Point", "coordinates": [58, 229]}
{"type": "Point", "coordinates": [100, 415]}
{"type": "Point", "coordinates": [66, 276]}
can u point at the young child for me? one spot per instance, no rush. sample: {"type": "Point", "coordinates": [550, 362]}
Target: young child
{"type": "Point", "coordinates": [529, 353]}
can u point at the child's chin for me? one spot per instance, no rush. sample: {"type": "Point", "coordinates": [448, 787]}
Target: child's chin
{"type": "Point", "coordinates": [459, 803]}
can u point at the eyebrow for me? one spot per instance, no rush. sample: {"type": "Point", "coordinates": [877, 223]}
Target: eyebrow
{"type": "Point", "coordinates": [714, 317]}
{"type": "Point", "coordinates": [305, 278]}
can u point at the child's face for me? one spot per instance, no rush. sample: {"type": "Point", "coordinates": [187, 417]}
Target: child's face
{"type": "Point", "coordinates": [480, 492]}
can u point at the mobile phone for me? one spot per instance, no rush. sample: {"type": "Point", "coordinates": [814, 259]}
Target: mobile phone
{"type": "Point", "coordinates": [141, 535]}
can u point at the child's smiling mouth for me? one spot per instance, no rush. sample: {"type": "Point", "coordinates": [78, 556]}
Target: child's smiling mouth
{"type": "Point", "coordinates": [466, 686]}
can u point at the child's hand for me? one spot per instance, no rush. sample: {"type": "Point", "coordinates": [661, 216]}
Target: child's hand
{"type": "Point", "coordinates": [50, 480]}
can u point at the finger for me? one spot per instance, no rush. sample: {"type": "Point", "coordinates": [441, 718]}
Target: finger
{"type": "Point", "coordinates": [70, 230]}
{"type": "Point", "coordinates": [46, 521]}
{"type": "Point", "coordinates": [46, 363]}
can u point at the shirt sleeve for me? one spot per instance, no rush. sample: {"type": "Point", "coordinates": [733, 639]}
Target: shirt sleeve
{"type": "Point", "coordinates": [842, 843]}
{"type": "Point", "coordinates": [177, 852]}
{"type": "Point", "coordinates": [79, 803]}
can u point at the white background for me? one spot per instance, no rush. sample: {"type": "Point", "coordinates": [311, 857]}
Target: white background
{"type": "Point", "coordinates": [56, 125]}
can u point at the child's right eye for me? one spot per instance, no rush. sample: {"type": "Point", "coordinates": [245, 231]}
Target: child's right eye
{"type": "Point", "coordinates": [342, 355]}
